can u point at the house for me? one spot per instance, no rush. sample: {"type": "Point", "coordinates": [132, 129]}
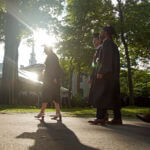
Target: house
{"type": "Point", "coordinates": [31, 82]}
{"type": "Point", "coordinates": [84, 85]}
{"type": "Point", "coordinates": [1, 67]}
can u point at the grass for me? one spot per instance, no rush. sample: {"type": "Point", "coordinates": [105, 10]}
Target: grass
{"type": "Point", "coordinates": [129, 112]}
{"type": "Point", "coordinates": [20, 109]}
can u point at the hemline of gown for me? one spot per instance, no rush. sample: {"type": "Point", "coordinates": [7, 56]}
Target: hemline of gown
{"type": "Point", "coordinates": [50, 92]}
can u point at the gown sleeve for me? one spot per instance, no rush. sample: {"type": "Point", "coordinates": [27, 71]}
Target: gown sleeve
{"type": "Point", "coordinates": [105, 65]}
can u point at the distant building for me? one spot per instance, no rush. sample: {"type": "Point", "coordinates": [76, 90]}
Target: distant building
{"type": "Point", "coordinates": [32, 60]}
{"type": "Point", "coordinates": [35, 68]}
{"type": "Point", "coordinates": [84, 86]}
{"type": "Point", "coordinates": [1, 68]}
{"type": "Point", "coordinates": [38, 68]}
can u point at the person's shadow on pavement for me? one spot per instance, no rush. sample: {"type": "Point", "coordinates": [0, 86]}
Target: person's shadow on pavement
{"type": "Point", "coordinates": [54, 136]}
{"type": "Point", "coordinates": [136, 132]}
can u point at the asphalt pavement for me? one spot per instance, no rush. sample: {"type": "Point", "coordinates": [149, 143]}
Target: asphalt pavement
{"type": "Point", "coordinates": [24, 132]}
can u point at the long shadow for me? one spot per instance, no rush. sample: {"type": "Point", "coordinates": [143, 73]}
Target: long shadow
{"type": "Point", "coordinates": [54, 136]}
{"type": "Point", "coordinates": [137, 132]}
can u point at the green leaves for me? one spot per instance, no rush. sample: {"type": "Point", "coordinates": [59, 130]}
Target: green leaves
{"type": "Point", "coordinates": [137, 26]}
{"type": "Point", "coordinates": [32, 14]}
{"type": "Point", "coordinates": [81, 20]}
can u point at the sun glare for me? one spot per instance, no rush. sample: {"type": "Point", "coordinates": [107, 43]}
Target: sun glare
{"type": "Point", "coordinates": [42, 38]}
{"type": "Point", "coordinates": [31, 76]}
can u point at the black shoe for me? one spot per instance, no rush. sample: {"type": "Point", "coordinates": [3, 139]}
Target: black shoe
{"type": "Point", "coordinates": [98, 121]}
{"type": "Point", "coordinates": [92, 121]}
{"type": "Point", "coordinates": [145, 118]}
{"type": "Point", "coordinates": [115, 122]}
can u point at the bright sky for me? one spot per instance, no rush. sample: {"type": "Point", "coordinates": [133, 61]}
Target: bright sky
{"type": "Point", "coordinates": [41, 38]}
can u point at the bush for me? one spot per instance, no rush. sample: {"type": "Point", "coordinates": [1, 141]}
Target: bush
{"type": "Point", "coordinates": [78, 101]}
{"type": "Point", "coordinates": [142, 101]}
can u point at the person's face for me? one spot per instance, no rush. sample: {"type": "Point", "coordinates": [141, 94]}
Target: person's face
{"type": "Point", "coordinates": [96, 42]}
{"type": "Point", "coordinates": [103, 34]}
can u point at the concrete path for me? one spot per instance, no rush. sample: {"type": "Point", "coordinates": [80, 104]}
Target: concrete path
{"type": "Point", "coordinates": [24, 132]}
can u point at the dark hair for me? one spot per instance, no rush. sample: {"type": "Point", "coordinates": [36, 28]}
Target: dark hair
{"type": "Point", "coordinates": [110, 30]}
{"type": "Point", "coordinates": [96, 35]}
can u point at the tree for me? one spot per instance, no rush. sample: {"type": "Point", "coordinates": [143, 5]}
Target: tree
{"type": "Point", "coordinates": [134, 29]}
{"type": "Point", "coordinates": [85, 17]}
{"type": "Point", "coordinates": [126, 51]}
{"type": "Point", "coordinates": [82, 20]}
{"type": "Point", "coordinates": [68, 67]}
{"type": "Point", "coordinates": [21, 18]}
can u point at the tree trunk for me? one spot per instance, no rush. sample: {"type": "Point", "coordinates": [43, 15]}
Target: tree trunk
{"type": "Point", "coordinates": [10, 64]}
{"type": "Point", "coordinates": [78, 79]}
{"type": "Point", "coordinates": [126, 53]}
{"type": "Point", "coordinates": [70, 82]}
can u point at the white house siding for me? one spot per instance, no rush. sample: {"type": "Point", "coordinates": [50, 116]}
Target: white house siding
{"type": "Point", "coordinates": [83, 85]}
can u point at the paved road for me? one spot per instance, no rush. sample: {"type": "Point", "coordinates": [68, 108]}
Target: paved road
{"type": "Point", "coordinates": [24, 132]}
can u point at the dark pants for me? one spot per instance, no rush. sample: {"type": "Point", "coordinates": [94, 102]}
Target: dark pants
{"type": "Point", "coordinates": [102, 113]}
{"type": "Point", "coordinates": [117, 113]}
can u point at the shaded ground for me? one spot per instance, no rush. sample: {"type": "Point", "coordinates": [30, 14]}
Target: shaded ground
{"type": "Point", "coordinates": [24, 132]}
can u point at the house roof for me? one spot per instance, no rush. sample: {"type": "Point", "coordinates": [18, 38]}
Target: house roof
{"type": "Point", "coordinates": [35, 67]}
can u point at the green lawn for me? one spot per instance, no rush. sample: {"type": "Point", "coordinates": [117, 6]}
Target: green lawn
{"type": "Point", "coordinates": [129, 111]}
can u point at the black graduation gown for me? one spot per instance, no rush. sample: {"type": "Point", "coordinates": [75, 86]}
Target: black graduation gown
{"type": "Point", "coordinates": [93, 77]}
{"type": "Point", "coordinates": [108, 95]}
{"type": "Point", "coordinates": [51, 90]}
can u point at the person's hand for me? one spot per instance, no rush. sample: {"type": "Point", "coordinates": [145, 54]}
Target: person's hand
{"type": "Point", "coordinates": [97, 60]}
{"type": "Point", "coordinates": [55, 81]}
{"type": "Point", "coordinates": [99, 76]}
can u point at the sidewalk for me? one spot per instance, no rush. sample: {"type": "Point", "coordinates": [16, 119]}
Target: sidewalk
{"type": "Point", "coordinates": [24, 132]}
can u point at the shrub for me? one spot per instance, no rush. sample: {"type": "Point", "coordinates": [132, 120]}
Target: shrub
{"type": "Point", "coordinates": [78, 101]}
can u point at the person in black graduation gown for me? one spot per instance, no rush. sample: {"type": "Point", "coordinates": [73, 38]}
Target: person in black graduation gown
{"type": "Point", "coordinates": [94, 90]}
{"type": "Point", "coordinates": [97, 44]}
{"type": "Point", "coordinates": [109, 75]}
{"type": "Point", "coordinates": [51, 83]}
